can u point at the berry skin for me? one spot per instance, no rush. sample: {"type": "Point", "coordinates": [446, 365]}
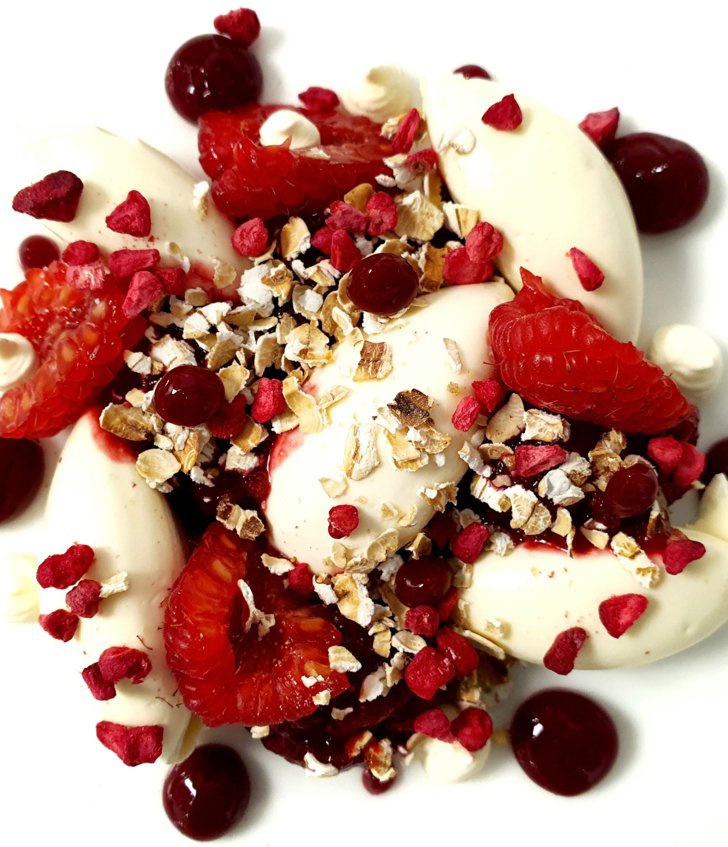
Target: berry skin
{"type": "Point", "coordinates": [250, 180]}
{"type": "Point", "coordinates": [556, 356]}
{"type": "Point", "coordinates": [228, 675]}
{"type": "Point", "coordinates": [79, 337]}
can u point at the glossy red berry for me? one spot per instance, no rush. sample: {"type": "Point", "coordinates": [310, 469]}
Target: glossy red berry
{"type": "Point", "coordinates": [472, 72]}
{"type": "Point", "coordinates": [37, 251]}
{"type": "Point", "coordinates": [383, 284]}
{"type": "Point", "coordinates": [423, 582]}
{"type": "Point", "coordinates": [189, 395]}
{"type": "Point", "coordinates": [666, 180]}
{"type": "Point", "coordinates": [631, 491]}
{"type": "Point", "coordinates": [211, 72]}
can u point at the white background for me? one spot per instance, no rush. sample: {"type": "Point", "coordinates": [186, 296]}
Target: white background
{"type": "Point", "coordinates": [664, 65]}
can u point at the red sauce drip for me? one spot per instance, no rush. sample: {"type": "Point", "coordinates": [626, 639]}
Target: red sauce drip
{"type": "Point", "coordinates": [284, 445]}
{"type": "Point", "coordinates": [115, 448]}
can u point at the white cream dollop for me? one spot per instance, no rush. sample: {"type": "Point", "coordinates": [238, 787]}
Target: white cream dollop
{"type": "Point", "coordinates": [536, 595]}
{"type": "Point", "coordinates": [690, 356]}
{"type": "Point", "coordinates": [18, 588]}
{"type": "Point", "coordinates": [285, 125]}
{"type": "Point", "coordinates": [17, 360]}
{"type": "Point", "coordinates": [547, 188]}
{"type": "Point", "coordinates": [445, 762]}
{"type": "Point", "coordinates": [385, 92]}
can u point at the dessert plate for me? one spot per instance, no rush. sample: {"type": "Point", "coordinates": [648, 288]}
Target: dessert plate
{"type": "Point", "coordinates": [81, 63]}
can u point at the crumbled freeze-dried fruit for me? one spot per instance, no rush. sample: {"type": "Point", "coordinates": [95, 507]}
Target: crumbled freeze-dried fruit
{"type": "Point", "coordinates": [460, 269]}
{"type": "Point", "coordinates": [101, 688]}
{"type": "Point", "coordinates": [64, 569]}
{"type": "Point", "coordinates": [561, 655]}
{"type": "Point", "coordinates": [241, 25]}
{"type": "Point", "coordinates": [343, 520]}
{"type": "Point", "coordinates": [134, 745]}
{"type": "Point", "coordinates": [269, 400]}
{"type": "Point", "coordinates": [620, 612]}
{"type": "Point", "coordinates": [344, 216]}
{"type": "Point", "coordinates": [406, 132]}
{"type": "Point", "coordinates": [473, 728]}
{"type": "Point", "coordinates": [468, 544]}
{"type": "Point", "coordinates": [344, 252]}
{"type": "Point", "coordinates": [80, 253]}
{"type": "Point", "coordinates": [84, 598]}
{"type": "Point", "coordinates": [466, 413]}
{"type": "Point", "coordinates": [447, 605]}
{"type": "Point", "coordinates": [504, 115]}
{"type": "Point", "coordinates": [435, 724]}
{"type": "Point", "coordinates": [457, 648]}
{"type": "Point", "coordinates": [601, 127]}
{"type": "Point", "coordinates": [131, 217]}
{"type": "Point", "coordinates": [589, 273]}
{"type": "Point", "coordinates": [124, 263]}
{"type": "Point", "coordinates": [53, 198]}
{"type": "Point", "coordinates": [490, 393]}
{"type": "Point", "coordinates": [61, 624]}
{"type": "Point", "coordinates": [483, 243]}
{"type": "Point", "coordinates": [251, 238]}
{"type": "Point", "coordinates": [230, 420]}
{"type": "Point", "coordinates": [533, 459]}
{"type": "Point", "coordinates": [318, 99]}
{"type": "Point", "coordinates": [300, 580]}
{"type": "Point", "coordinates": [145, 289]}
{"type": "Point", "coordinates": [427, 672]}
{"type": "Point", "coordinates": [666, 452]}
{"type": "Point", "coordinates": [381, 214]}
{"type": "Point", "coordinates": [690, 467]}
{"type": "Point", "coordinates": [678, 554]}
{"type": "Point", "coordinates": [422, 620]}
{"type": "Point", "coordinates": [117, 663]}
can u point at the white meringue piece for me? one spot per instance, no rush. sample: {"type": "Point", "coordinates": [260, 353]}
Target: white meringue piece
{"type": "Point", "coordinates": [690, 356]}
{"type": "Point", "coordinates": [286, 124]}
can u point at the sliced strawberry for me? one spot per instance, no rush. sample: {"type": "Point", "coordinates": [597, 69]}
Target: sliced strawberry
{"type": "Point", "coordinates": [228, 675]}
{"type": "Point", "coordinates": [250, 180]}
{"type": "Point", "coordinates": [79, 337]}
{"type": "Point", "coordinates": [555, 355]}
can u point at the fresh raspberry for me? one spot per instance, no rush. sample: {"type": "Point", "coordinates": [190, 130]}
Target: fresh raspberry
{"type": "Point", "coordinates": [554, 354]}
{"type": "Point", "coordinates": [250, 180]}
{"type": "Point", "coordinates": [227, 674]}
{"type": "Point", "coordinates": [79, 338]}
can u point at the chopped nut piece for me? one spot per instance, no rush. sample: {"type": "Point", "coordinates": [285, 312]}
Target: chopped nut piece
{"type": "Point", "coordinates": [543, 426]}
{"type": "Point", "coordinates": [319, 769]}
{"type": "Point", "coordinates": [420, 546]}
{"type": "Point", "coordinates": [295, 238]}
{"type": "Point", "coordinates": [359, 196]}
{"type": "Point", "coordinates": [341, 660]}
{"type": "Point", "coordinates": [417, 217]}
{"type": "Point", "coordinates": [373, 685]}
{"type": "Point", "coordinates": [361, 454]}
{"type": "Point", "coordinates": [563, 524]}
{"type": "Point", "coordinates": [577, 468]}
{"type": "Point", "coordinates": [472, 458]}
{"type": "Point", "coordinates": [508, 421]}
{"type": "Point", "coordinates": [500, 543]}
{"type": "Point", "coordinates": [523, 502]}
{"type": "Point", "coordinates": [259, 731]}
{"type": "Point", "coordinates": [460, 219]}
{"type": "Point", "coordinates": [595, 534]}
{"type": "Point", "coordinates": [433, 267]}
{"type": "Point", "coordinates": [323, 698]}
{"type": "Point", "coordinates": [375, 361]}
{"type": "Point", "coordinates": [539, 521]}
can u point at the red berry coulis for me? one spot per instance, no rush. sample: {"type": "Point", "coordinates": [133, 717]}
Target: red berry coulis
{"type": "Point", "coordinates": [564, 741]}
{"type": "Point", "coordinates": [37, 251]}
{"type": "Point", "coordinates": [382, 284]}
{"type": "Point", "coordinates": [23, 464]}
{"type": "Point", "coordinates": [208, 793]}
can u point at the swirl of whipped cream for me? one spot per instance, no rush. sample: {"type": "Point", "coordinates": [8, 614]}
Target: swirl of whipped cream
{"type": "Point", "coordinates": [385, 92]}
{"type": "Point", "coordinates": [286, 124]}
{"type": "Point", "coordinates": [690, 356]}
{"type": "Point", "coordinates": [17, 359]}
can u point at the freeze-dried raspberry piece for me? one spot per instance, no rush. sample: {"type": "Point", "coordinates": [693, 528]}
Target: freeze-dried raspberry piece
{"type": "Point", "coordinates": [690, 466]}
{"type": "Point", "coordinates": [131, 217]}
{"type": "Point", "coordinates": [427, 672]}
{"type": "Point", "coordinates": [251, 238]}
{"type": "Point", "coordinates": [460, 269]}
{"type": "Point", "coordinates": [321, 240]}
{"type": "Point", "coordinates": [469, 542]}
{"type": "Point", "coordinates": [435, 724]}
{"type": "Point", "coordinates": [318, 99]}
{"type": "Point", "coordinates": [60, 624]}
{"type": "Point", "coordinates": [343, 520]}
{"type": "Point", "coordinates": [84, 598]}
{"type": "Point", "coordinates": [483, 243]}
{"type": "Point", "coordinates": [80, 253]}
{"type": "Point", "coordinates": [90, 277]}
{"type": "Point", "coordinates": [421, 161]}
{"type": "Point", "coordinates": [119, 663]}
{"type": "Point", "coordinates": [473, 728]}
{"type": "Point", "coordinates": [490, 393]}
{"type": "Point", "coordinates": [344, 216]}
{"type": "Point", "coordinates": [406, 131]}
{"type": "Point", "coordinates": [422, 620]}
{"type": "Point", "coordinates": [601, 127]}
{"type": "Point", "coordinates": [561, 655]}
{"type": "Point", "coordinates": [344, 252]}
{"type": "Point", "coordinates": [269, 400]}
{"type": "Point", "coordinates": [63, 570]}
{"type": "Point", "coordinates": [447, 605]}
{"type": "Point", "coordinates": [53, 198]}
{"type": "Point", "coordinates": [678, 554]}
{"type": "Point", "coordinates": [174, 280]}
{"type": "Point", "coordinates": [441, 529]}
{"type": "Point", "coordinates": [242, 25]}
{"type": "Point", "coordinates": [381, 213]}
{"type": "Point", "coordinates": [458, 649]}
{"type": "Point", "coordinates": [127, 262]}
{"type": "Point", "coordinates": [230, 420]}
{"type": "Point", "coordinates": [300, 580]}
{"type": "Point", "coordinates": [504, 115]}
{"type": "Point", "coordinates": [556, 356]}
{"type": "Point", "coordinates": [537, 458]}
{"type": "Point", "coordinates": [665, 452]}
{"type": "Point", "coordinates": [466, 413]}
{"type": "Point", "coordinates": [101, 688]}
{"type": "Point", "coordinates": [618, 613]}
{"type": "Point", "coordinates": [589, 273]}
{"type": "Point", "coordinates": [134, 745]}
{"type": "Point", "coordinates": [145, 289]}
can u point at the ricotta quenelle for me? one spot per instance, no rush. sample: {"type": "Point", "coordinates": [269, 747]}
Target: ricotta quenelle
{"type": "Point", "coordinates": [523, 600]}
{"type": "Point", "coordinates": [97, 498]}
{"type": "Point", "coordinates": [186, 225]}
{"type": "Point", "coordinates": [547, 188]}
{"type": "Point", "coordinates": [390, 500]}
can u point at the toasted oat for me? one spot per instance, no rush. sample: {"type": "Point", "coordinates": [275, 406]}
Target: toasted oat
{"type": "Point", "coordinates": [252, 435]}
{"type": "Point", "coordinates": [606, 457]}
{"type": "Point", "coordinates": [375, 361]}
{"type": "Point", "coordinates": [306, 344]}
{"type": "Point", "coordinates": [246, 522]}
{"type": "Point", "coordinates": [635, 560]}
{"type": "Point", "coordinates": [407, 642]}
{"type": "Point", "coordinates": [544, 426]}
{"type": "Point", "coordinates": [341, 660]}
{"type": "Point", "coordinates": [433, 267]}
{"type": "Point", "coordinates": [130, 423]}
{"type": "Point", "coordinates": [484, 490]}
{"type": "Point", "coordinates": [556, 486]}
{"type": "Point", "coordinates": [323, 698]}
{"type": "Point", "coordinates": [258, 732]}
{"type": "Point", "coordinates": [307, 302]}
{"type": "Point", "coordinates": [138, 362]}
{"type": "Point", "coordinates": [334, 486]}
{"type": "Point", "coordinates": [295, 238]}
{"type": "Point", "coordinates": [460, 219]}
{"type": "Point", "coordinates": [189, 453]}
{"type": "Point", "coordinates": [418, 217]}
{"type": "Point", "coordinates": [523, 502]}
{"type": "Point", "coordinates": [223, 275]}
{"type": "Point", "coordinates": [508, 421]}
{"type": "Point", "coordinates": [539, 521]}
{"type": "Point", "coordinates": [318, 769]}
{"type": "Point", "coordinates": [157, 466]}
{"type": "Point", "coordinates": [439, 495]}
{"type": "Point", "coordinates": [406, 455]}
{"type": "Point", "coordinates": [453, 353]}
{"type": "Point", "coordinates": [484, 640]}
{"type": "Point", "coordinates": [412, 408]}
{"type": "Point", "coordinates": [420, 546]}
{"type": "Point", "coordinates": [234, 378]}
{"type": "Point", "coordinates": [472, 458]}
{"type": "Point", "coordinates": [303, 405]}
{"type": "Point", "coordinates": [577, 468]}
{"type": "Point", "coordinates": [361, 454]}
{"type": "Point", "coordinates": [382, 641]}
{"type": "Point", "coordinates": [373, 685]}
{"type": "Point", "coordinates": [378, 550]}
{"type": "Point", "coordinates": [500, 543]}
{"type": "Point", "coordinates": [277, 565]}
{"type": "Point", "coordinates": [353, 597]}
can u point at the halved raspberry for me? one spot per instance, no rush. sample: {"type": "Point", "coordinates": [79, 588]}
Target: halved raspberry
{"type": "Point", "coordinates": [555, 355]}
{"type": "Point", "coordinates": [251, 180]}
{"type": "Point", "coordinates": [79, 337]}
{"type": "Point", "coordinates": [227, 674]}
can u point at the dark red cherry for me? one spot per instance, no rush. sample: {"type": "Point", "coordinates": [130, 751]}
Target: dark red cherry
{"type": "Point", "coordinates": [472, 72]}
{"type": "Point", "coordinates": [212, 72]}
{"type": "Point", "coordinates": [208, 793]}
{"type": "Point", "coordinates": [631, 490]}
{"type": "Point", "coordinates": [564, 741]}
{"type": "Point", "coordinates": [189, 395]}
{"type": "Point", "coordinates": [37, 251]}
{"type": "Point", "coordinates": [423, 582]}
{"type": "Point", "coordinates": [23, 464]}
{"type": "Point", "coordinates": [716, 460]}
{"type": "Point", "coordinates": [382, 284]}
{"type": "Point", "coordinates": [665, 179]}
{"type": "Point", "coordinates": [374, 785]}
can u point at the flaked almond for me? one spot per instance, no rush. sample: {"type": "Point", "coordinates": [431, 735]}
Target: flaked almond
{"type": "Point", "coordinates": [508, 422]}
{"type": "Point", "coordinates": [295, 238]}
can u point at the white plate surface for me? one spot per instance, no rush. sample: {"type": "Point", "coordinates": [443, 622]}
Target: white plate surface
{"type": "Point", "coordinates": [664, 66]}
